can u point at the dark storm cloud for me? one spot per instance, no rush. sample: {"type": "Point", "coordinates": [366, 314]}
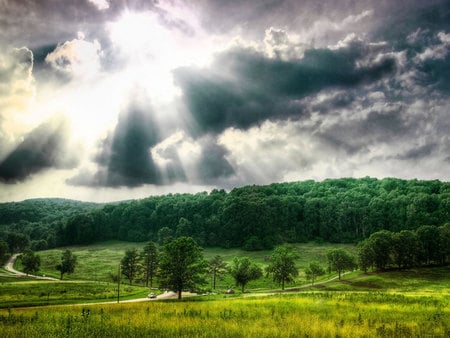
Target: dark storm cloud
{"type": "Point", "coordinates": [245, 88]}
{"type": "Point", "coordinates": [419, 152]}
{"type": "Point", "coordinates": [40, 23]}
{"type": "Point", "coordinates": [42, 148]}
{"type": "Point", "coordinates": [125, 157]}
{"type": "Point", "coordinates": [129, 161]}
{"type": "Point", "coordinates": [213, 164]}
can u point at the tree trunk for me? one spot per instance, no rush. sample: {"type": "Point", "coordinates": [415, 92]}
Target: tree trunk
{"type": "Point", "coordinates": [179, 294]}
{"type": "Point", "coordinates": [282, 284]}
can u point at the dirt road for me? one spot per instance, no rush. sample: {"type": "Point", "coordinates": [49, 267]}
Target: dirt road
{"type": "Point", "coordinates": [9, 266]}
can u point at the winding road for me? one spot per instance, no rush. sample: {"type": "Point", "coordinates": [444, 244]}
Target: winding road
{"type": "Point", "coordinates": [9, 266]}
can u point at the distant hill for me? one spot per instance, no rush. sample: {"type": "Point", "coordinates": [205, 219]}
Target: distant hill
{"type": "Point", "coordinates": [253, 217]}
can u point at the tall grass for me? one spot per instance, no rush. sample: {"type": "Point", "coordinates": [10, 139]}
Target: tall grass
{"type": "Point", "coordinates": [314, 314]}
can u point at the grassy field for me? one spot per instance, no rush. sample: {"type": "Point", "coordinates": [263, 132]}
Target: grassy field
{"type": "Point", "coordinates": [99, 261]}
{"type": "Point", "coordinates": [309, 314]}
{"type": "Point", "coordinates": [37, 293]}
{"type": "Point", "coordinates": [412, 303]}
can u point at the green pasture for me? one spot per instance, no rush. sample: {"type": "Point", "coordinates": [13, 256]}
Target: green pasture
{"type": "Point", "coordinates": [37, 293]}
{"type": "Point", "coordinates": [99, 261]}
{"type": "Point", "coordinates": [308, 314]}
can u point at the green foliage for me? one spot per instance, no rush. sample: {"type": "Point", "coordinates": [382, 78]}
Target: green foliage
{"type": "Point", "coordinates": [244, 270]}
{"type": "Point", "coordinates": [30, 262]}
{"type": "Point", "coordinates": [68, 263]}
{"type": "Point", "coordinates": [313, 271]}
{"type": "Point", "coordinates": [17, 242]}
{"type": "Point", "coordinates": [129, 265]}
{"type": "Point", "coordinates": [282, 264]}
{"type": "Point", "coordinates": [405, 249]}
{"type": "Point", "coordinates": [340, 260]}
{"type": "Point", "coordinates": [216, 267]}
{"type": "Point", "coordinates": [181, 265]}
{"type": "Point", "coordinates": [150, 257]}
{"type": "Point", "coordinates": [253, 217]}
{"type": "Point", "coordinates": [3, 251]}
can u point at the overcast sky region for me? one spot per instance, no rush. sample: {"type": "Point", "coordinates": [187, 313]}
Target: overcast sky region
{"type": "Point", "coordinates": [105, 100]}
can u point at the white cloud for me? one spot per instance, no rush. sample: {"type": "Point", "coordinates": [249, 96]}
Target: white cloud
{"type": "Point", "coordinates": [78, 58]}
{"type": "Point", "coordinates": [100, 4]}
{"type": "Point", "coordinates": [17, 93]}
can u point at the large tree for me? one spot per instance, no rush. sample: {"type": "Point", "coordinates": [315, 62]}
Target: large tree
{"type": "Point", "coordinates": [181, 265]}
{"type": "Point", "coordinates": [217, 267]}
{"type": "Point", "coordinates": [282, 264]}
{"type": "Point", "coordinates": [68, 262]}
{"type": "Point", "coordinates": [313, 271]}
{"type": "Point", "coordinates": [244, 270]}
{"type": "Point", "coordinates": [150, 262]}
{"type": "Point", "coordinates": [30, 262]}
{"type": "Point", "coordinates": [340, 260]}
{"type": "Point", "coordinates": [129, 265]}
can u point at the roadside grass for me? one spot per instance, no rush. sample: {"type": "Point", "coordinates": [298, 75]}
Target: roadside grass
{"type": "Point", "coordinates": [38, 293]}
{"type": "Point", "coordinates": [307, 314]}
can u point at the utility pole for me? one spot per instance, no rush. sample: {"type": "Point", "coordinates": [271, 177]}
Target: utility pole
{"type": "Point", "coordinates": [118, 285]}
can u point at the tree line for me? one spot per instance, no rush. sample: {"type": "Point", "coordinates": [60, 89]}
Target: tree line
{"type": "Point", "coordinates": [427, 245]}
{"type": "Point", "coordinates": [179, 264]}
{"type": "Point", "coordinates": [253, 217]}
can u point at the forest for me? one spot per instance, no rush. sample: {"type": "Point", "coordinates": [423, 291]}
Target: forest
{"type": "Point", "coordinates": [254, 217]}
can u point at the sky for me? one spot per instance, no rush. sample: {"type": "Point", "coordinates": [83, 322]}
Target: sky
{"type": "Point", "coordinates": [104, 100]}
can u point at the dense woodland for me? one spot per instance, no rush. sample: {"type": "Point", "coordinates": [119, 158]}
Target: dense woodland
{"type": "Point", "coordinates": [252, 217]}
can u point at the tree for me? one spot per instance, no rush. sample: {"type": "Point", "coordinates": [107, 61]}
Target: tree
{"type": "Point", "coordinates": [68, 262]}
{"type": "Point", "coordinates": [404, 248]}
{"type": "Point", "coordinates": [340, 260]}
{"type": "Point", "coordinates": [313, 271]}
{"type": "Point", "coordinates": [17, 242]}
{"type": "Point", "coordinates": [217, 267]}
{"type": "Point", "coordinates": [244, 270]}
{"type": "Point", "coordinates": [381, 243]}
{"type": "Point", "coordinates": [282, 265]}
{"type": "Point", "coordinates": [30, 262]}
{"type": "Point", "coordinates": [3, 251]}
{"type": "Point", "coordinates": [129, 265]}
{"type": "Point", "coordinates": [150, 256]}
{"type": "Point", "coordinates": [429, 243]}
{"type": "Point", "coordinates": [165, 235]}
{"type": "Point", "coordinates": [366, 255]}
{"type": "Point", "coordinates": [181, 265]}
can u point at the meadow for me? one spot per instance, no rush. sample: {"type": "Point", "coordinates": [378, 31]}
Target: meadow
{"type": "Point", "coordinates": [414, 302]}
{"type": "Point", "coordinates": [99, 262]}
{"type": "Point", "coordinates": [307, 314]}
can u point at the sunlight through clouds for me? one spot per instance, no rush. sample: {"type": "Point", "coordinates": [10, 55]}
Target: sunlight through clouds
{"type": "Point", "coordinates": [116, 100]}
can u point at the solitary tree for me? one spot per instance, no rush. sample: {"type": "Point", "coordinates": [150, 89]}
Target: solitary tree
{"type": "Point", "coordinates": [282, 265]}
{"type": "Point", "coordinates": [68, 262]}
{"type": "Point", "coordinates": [181, 265]}
{"type": "Point", "coordinates": [217, 267]}
{"type": "Point", "coordinates": [150, 257]}
{"type": "Point", "coordinates": [129, 264]}
{"type": "Point", "coordinates": [366, 255]}
{"type": "Point", "coordinates": [30, 262]}
{"type": "Point", "coordinates": [340, 260]}
{"type": "Point", "coordinates": [313, 271]}
{"type": "Point", "coordinates": [244, 270]}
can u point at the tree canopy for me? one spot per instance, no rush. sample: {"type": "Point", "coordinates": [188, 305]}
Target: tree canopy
{"type": "Point", "coordinates": [181, 265]}
{"type": "Point", "coordinates": [282, 264]}
{"type": "Point", "coordinates": [345, 210]}
{"type": "Point", "coordinates": [68, 262]}
{"type": "Point", "coordinates": [244, 270]}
